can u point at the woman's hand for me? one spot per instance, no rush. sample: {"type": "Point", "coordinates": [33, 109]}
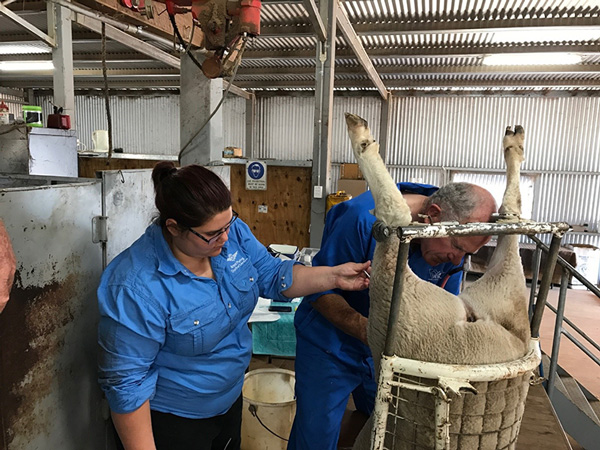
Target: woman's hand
{"type": "Point", "coordinates": [353, 276]}
{"type": "Point", "coordinates": [310, 280]}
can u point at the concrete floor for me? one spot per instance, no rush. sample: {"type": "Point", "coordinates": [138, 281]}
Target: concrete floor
{"type": "Point", "coordinates": [583, 309]}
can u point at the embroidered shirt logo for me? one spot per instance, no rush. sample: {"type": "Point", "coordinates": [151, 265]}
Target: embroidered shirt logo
{"type": "Point", "coordinates": [236, 263]}
{"type": "Point", "coordinates": [435, 275]}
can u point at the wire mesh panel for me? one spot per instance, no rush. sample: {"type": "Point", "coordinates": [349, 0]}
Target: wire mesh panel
{"type": "Point", "coordinates": [489, 419]}
{"type": "Point", "coordinates": [424, 405]}
{"type": "Point", "coordinates": [411, 415]}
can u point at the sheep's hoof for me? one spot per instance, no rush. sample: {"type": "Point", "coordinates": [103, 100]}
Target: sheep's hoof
{"type": "Point", "coordinates": [513, 141]}
{"type": "Point", "coordinates": [353, 121]}
{"type": "Point", "coordinates": [518, 130]}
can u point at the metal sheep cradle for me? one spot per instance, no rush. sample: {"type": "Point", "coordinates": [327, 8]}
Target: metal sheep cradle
{"type": "Point", "coordinates": [420, 404]}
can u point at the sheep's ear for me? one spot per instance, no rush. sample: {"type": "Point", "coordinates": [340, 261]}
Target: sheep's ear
{"type": "Point", "coordinates": [373, 212]}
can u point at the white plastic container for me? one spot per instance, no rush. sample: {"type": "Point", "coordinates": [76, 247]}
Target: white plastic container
{"type": "Point", "coordinates": [588, 264]}
{"type": "Point", "coordinates": [100, 140]}
{"type": "Point", "coordinates": [4, 114]}
{"type": "Point", "coordinates": [268, 398]}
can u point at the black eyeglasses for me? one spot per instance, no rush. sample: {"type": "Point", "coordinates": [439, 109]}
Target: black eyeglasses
{"type": "Point", "coordinates": [217, 234]}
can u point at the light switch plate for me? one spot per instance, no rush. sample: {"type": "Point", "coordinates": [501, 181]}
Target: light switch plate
{"type": "Point", "coordinates": [318, 192]}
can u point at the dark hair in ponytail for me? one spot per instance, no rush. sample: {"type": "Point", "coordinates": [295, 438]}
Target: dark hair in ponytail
{"type": "Point", "coordinates": [191, 195]}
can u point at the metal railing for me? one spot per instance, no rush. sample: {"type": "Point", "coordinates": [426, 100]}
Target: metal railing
{"type": "Point", "coordinates": [559, 330]}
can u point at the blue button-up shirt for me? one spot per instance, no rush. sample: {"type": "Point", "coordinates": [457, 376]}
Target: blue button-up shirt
{"type": "Point", "coordinates": [180, 340]}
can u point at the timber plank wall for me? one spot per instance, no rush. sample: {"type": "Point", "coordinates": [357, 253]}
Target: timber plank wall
{"type": "Point", "coordinates": [287, 220]}
{"type": "Point", "coordinates": [288, 200]}
{"type": "Point", "coordinates": [88, 166]}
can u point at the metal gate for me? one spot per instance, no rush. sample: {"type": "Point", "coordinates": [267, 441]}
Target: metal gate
{"type": "Point", "coordinates": [49, 397]}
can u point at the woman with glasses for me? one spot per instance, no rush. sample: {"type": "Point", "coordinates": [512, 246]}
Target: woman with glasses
{"type": "Point", "coordinates": [174, 309]}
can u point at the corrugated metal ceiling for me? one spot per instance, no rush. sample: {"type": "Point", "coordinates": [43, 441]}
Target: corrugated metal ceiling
{"type": "Point", "coordinates": [412, 44]}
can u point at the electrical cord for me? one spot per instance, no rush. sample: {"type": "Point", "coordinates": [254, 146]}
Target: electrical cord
{"type": "Point", "coordinates": [182, 42]}
{"type": "Point", "coordinates": [197, 63]}
{"type": "Point", "coordinates": [189, 46]}
{"type": "Point", "coordinates": [106, 96]}
{"type": "Point", "coordinates": [252, 409]}
{"type": "Point", "coordinates": [184, 148]}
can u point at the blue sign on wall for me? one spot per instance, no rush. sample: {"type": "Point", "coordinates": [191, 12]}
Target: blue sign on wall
{"type": "Point", "coordinates": [256, 176]}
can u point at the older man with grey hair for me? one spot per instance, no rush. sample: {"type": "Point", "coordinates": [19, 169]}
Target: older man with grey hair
{"type": "Point", "coordinates": [333, 359]}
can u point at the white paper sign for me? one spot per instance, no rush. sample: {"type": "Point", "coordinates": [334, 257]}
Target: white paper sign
{"type": "Point", "coordinates": [256, 176]}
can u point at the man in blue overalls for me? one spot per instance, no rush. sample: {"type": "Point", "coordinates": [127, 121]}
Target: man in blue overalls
{"type": "Point", "coordinates": [333, 359]}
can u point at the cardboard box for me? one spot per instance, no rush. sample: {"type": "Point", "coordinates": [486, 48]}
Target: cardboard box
{"type": "Point", "coordinates": [350, 172]}
{"type": "Point", "coordinates": [352, 187]}
{"type": "Point", "coordinates": [232, 152]}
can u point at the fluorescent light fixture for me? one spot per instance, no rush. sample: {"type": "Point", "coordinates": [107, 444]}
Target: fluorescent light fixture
{"type": "Point", "coordinates": [531, 59]}
{"type": "Point", "coordinates": [25, 66]}
{"type": "Point", "coordinates": [512, 37]}
{"type": "Point", "coordinates": [23, 49]}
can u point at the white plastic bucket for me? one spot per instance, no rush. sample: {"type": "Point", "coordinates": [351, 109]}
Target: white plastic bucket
{"type": "Point", "coordinates": [268, 403]}
{"type": "Point", "coordinates": [588, 264]}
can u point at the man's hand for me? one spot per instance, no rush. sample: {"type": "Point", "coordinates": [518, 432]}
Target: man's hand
{"type": "Point", "coordinates": [8, 265]}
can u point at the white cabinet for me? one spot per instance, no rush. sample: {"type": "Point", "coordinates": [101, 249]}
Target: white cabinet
{"type": "Point", "coordinates": [38, 151]}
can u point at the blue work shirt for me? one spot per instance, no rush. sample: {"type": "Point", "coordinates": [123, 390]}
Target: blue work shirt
{"type": "Point", "coordinates": [347, 237]}
{"type": "Point", "coordinates": [180, 340]}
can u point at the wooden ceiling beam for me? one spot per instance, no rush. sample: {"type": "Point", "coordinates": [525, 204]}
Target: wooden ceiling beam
{"type": "Point", "coordinates": [160, 24]}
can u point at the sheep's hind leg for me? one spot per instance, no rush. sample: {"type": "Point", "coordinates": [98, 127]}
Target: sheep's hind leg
{"type": "Point", "coordinates": [390, 206]}
{"type": "Point", "coordinates": [504, 280]}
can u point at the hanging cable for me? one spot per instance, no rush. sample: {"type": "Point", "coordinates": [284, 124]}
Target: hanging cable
{"type": "Point", "coordinates": [197, 63]}
{"type": "Point", "coordinates": [189, 46]}
{"type": "Point", "coordinates": [181, 41]}
{"type": "Point", "coordinates": [237, 65]}
{"type": "Point", "coordinates": [106, 96]}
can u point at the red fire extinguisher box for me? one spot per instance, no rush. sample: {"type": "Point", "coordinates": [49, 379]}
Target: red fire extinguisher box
{"type": "Point", "coordinates": [61, 121]}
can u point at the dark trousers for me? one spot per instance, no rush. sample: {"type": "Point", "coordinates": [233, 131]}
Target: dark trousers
{"type": "Point", "coordinates": [223, 432]}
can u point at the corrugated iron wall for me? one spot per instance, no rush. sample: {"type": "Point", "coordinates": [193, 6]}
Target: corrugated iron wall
{"type": "Point", "coordinates": [234, 121]}
{"type": "Point", "coordinates": [431, 139]}
{"type": "Point", "coordinates": [434, 138]}
{"type": "Point", "coordinates": [14, 103]}
{"type": "Point", "coordinates": [562, 146]}
{"type": "Point", "coordinates": [562, 132]}
{"type": "Point", "coordinates": [286, 126]}
{"type": "Point", "coordinates": [145, 124]}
